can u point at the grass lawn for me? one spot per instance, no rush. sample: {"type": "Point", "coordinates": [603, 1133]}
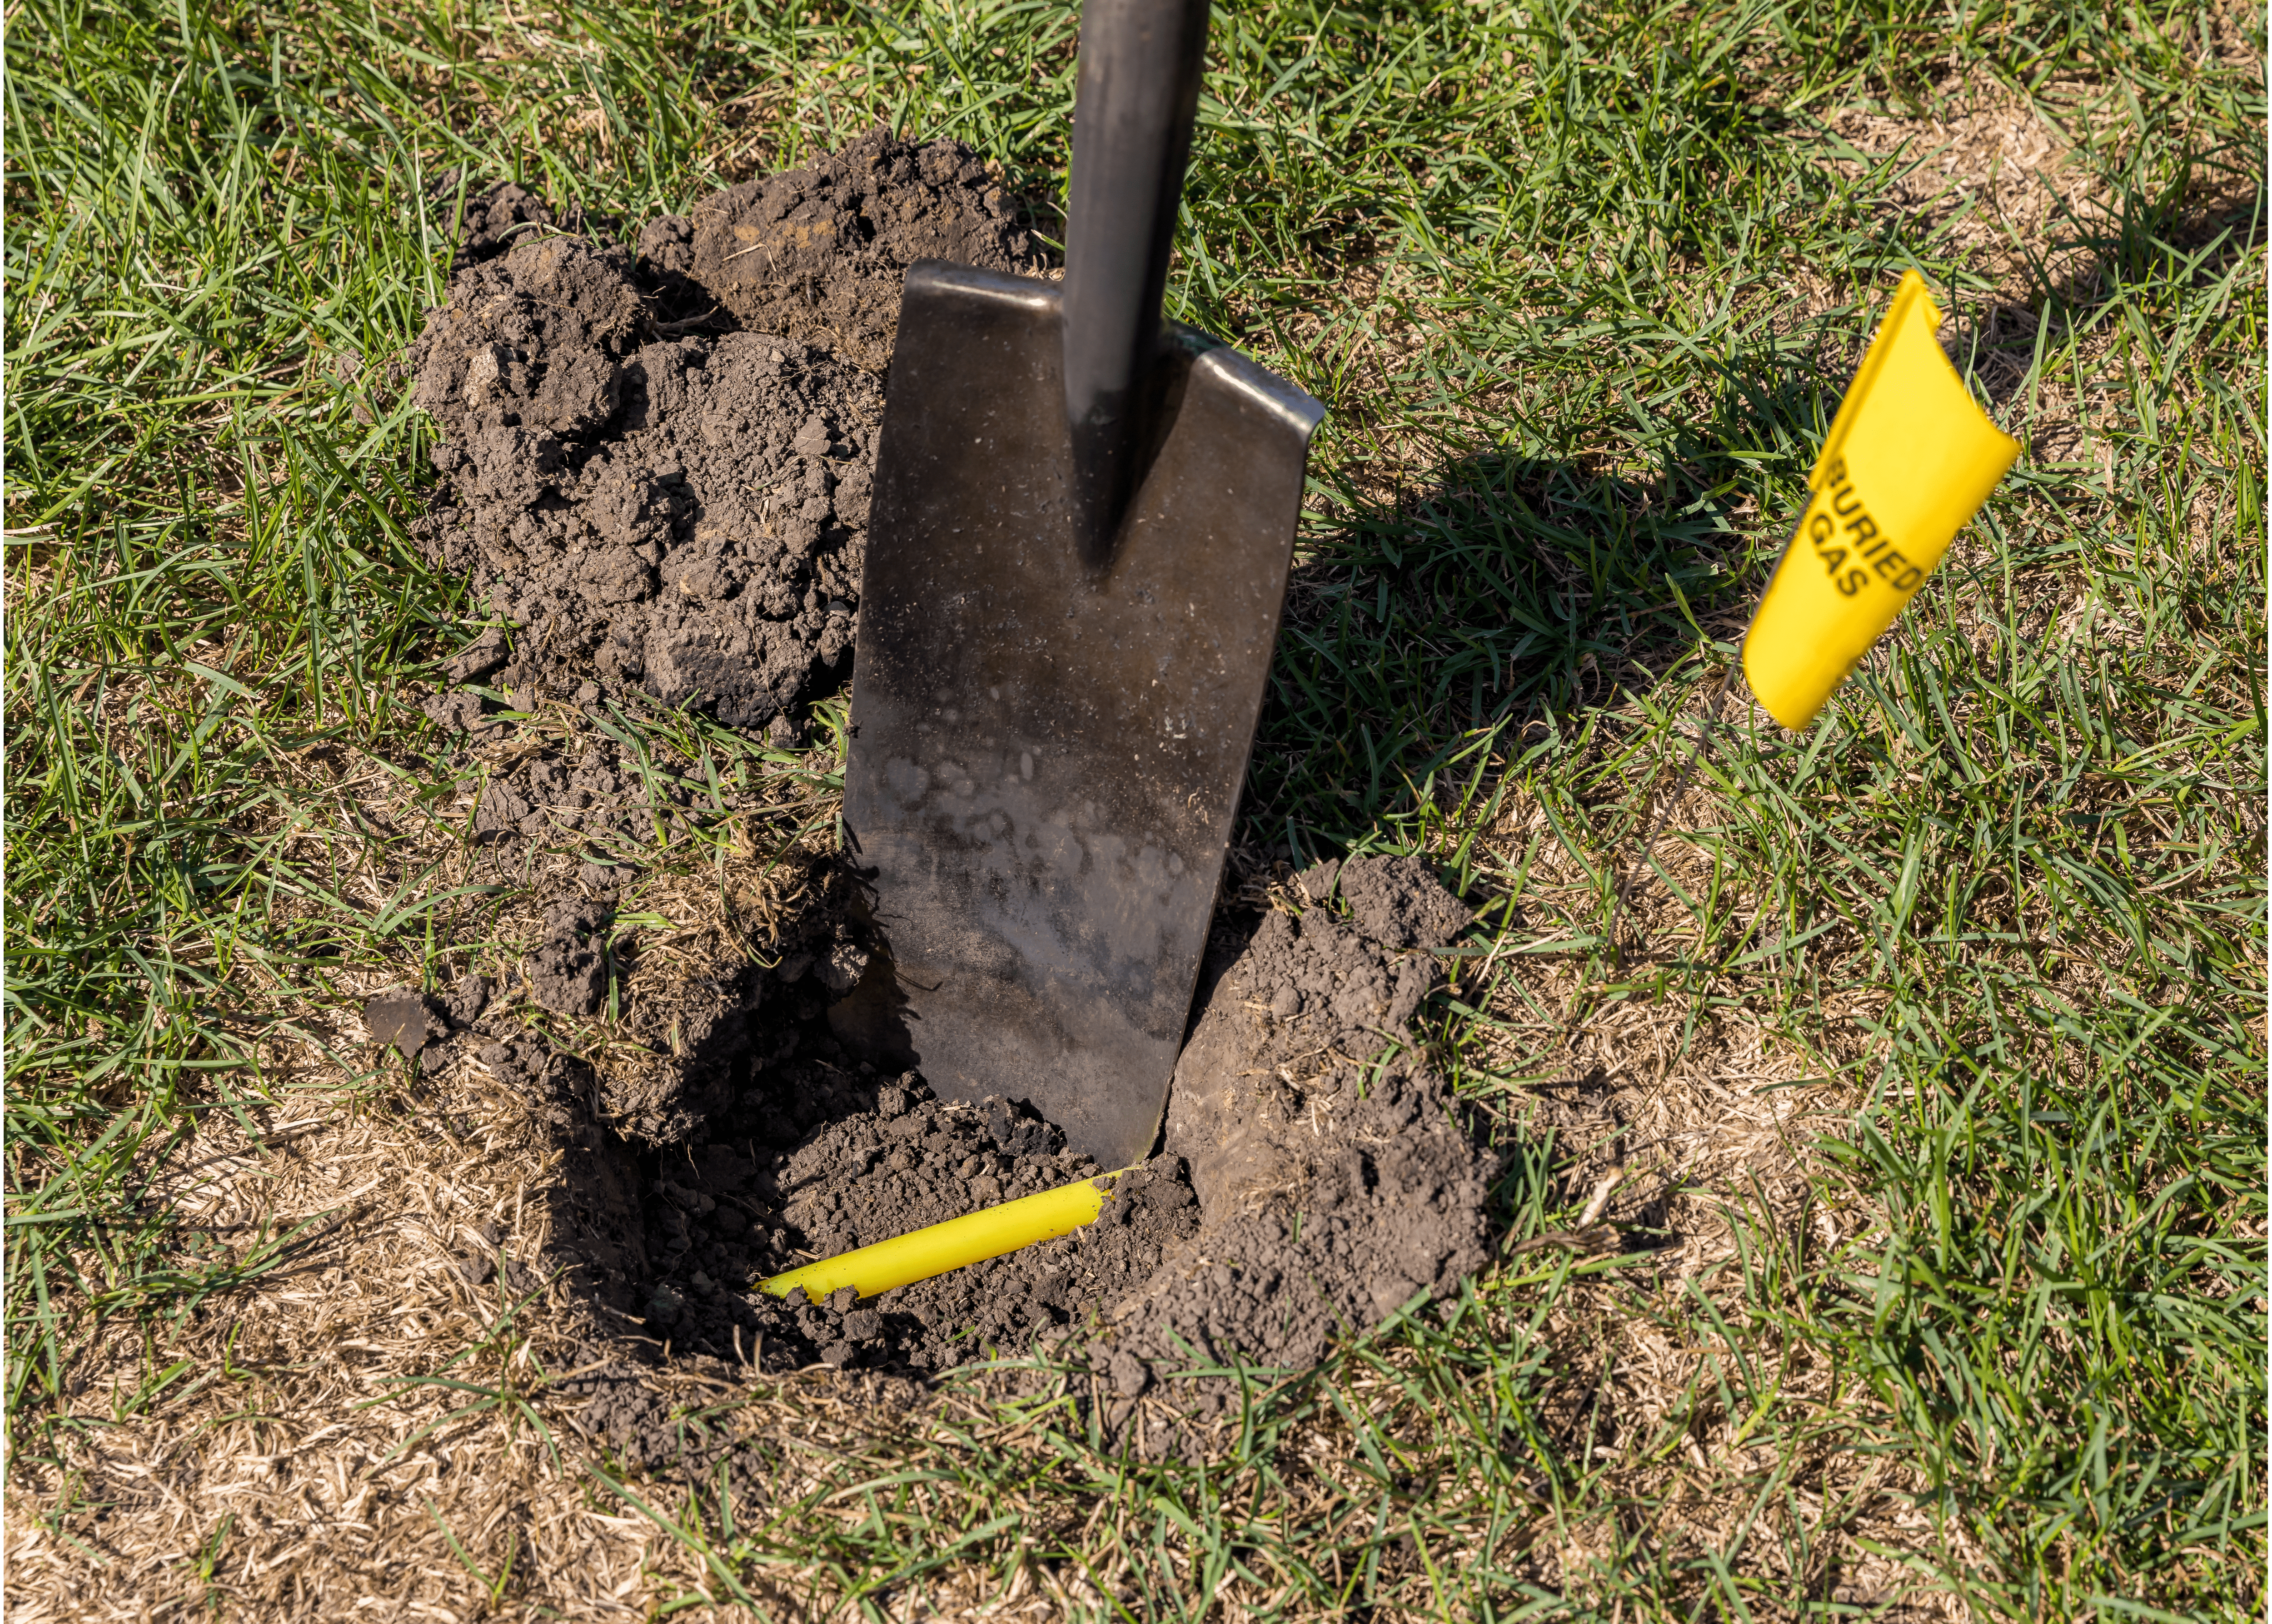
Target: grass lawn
{"type": "Point", "coordinates": [1918, 1059]}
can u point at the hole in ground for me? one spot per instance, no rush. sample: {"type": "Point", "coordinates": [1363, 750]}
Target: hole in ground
{"type": "Point", "coordinates": [1305, 1193]}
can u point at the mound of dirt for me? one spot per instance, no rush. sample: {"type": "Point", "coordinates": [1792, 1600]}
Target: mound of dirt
{"type": "Point", "coordinates": [687, 514]}
{"type": "Point", "coordinates": [820, 253]}
{"type": "Point", "coordinates": [684, 511]}
{"type": "Point", "coordinates": [1333, 1191]}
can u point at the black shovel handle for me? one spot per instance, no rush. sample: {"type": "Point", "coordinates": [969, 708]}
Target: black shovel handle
{"type": "Point", "coordinates": [1135, 98]}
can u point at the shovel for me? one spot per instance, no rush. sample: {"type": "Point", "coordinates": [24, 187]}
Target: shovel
{"type": "Point", "coordinates": [1082, 523]}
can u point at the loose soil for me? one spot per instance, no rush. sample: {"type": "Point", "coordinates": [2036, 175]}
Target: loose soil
{"type": "Point", "coordinates": [820, 253]}
{"type": "Point", "coordinates": [685, 514]}
{"type": "Point", "coordinates": [1305, 1191]}
{"type": "Point", "coordinates": [655, 465]}
{"type": "Point", "coordinates": [652, 504]}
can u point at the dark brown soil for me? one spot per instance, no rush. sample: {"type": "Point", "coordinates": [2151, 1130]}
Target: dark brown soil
{"type": "Point", "coordinates": [669, 500]}
{"type": "Point", "coordinates": [494, 219]}
{"type": "Point", "coordinates": [820, 253]}
{"type": "Point", "coordinates": [684, 514]}
{"type": "Point", "coordinates": [651, 502]}
{"type": "Point", "coordinates": [1305, 1191]}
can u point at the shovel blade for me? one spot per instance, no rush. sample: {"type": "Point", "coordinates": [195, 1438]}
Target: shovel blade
{"type": "Point", "coordinates": [1049, 738]}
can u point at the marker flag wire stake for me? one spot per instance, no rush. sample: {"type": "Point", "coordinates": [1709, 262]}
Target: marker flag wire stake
{"type": "Point", "coordinates": [1661, 809]}
{"type": "Point", "coordinates": [1909, 458]}
{"type": "Point", "coordinates": [971, 1239]}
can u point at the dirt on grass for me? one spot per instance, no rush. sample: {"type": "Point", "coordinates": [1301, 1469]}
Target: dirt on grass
{"type": "Point", "coordinates": [656, 507]}
{"type": "Point", "coordinates": [687, 514]}
{"type": "Point", "coordinates": [655, 465]}
{"type": "Point", "coordinates": [724, 1135]}
{"type": "Point", "coordinates": [611, 1126]}
{"type": "Point", "coordinates": [627, 1105]}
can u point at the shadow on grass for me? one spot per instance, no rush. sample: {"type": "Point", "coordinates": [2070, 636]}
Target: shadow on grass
{"type": "Point", "coordinates": [1508, 604]}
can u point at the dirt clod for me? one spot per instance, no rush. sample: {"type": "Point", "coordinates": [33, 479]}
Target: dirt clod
{"type": "Point", "coordinates": [501, 215]}
{"type": "Point", "coordinates": [401, 1017]}
{"type": "Point", "coordinates": [568, 972]}
{"type": "Point", "coordinates": [467, 997]}
{"type": "Point", "coordinates": [1397, 902]}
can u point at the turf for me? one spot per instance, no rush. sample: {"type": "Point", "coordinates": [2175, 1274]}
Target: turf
{"type": "Point", "coordinates": [1580, 287]}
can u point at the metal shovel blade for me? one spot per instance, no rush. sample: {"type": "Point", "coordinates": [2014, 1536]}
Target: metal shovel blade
{"type": "Point", "coordinates": [1048, 739]}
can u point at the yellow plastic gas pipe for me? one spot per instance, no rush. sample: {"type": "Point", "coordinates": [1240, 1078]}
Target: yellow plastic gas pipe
{"type": "Point", "coordinates": [958, 1242]}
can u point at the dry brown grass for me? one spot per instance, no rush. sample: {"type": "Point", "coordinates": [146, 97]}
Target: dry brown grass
{"type": "Point", "coordinates": [1990, 168]}
{"type": "Point", "coordinates": [307, 1458]}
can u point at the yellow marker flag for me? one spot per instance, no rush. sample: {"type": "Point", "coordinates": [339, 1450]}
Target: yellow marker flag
{"type": "Point", "coordinates": [1909, 458]}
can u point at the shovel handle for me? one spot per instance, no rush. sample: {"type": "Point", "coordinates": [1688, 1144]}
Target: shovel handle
{"type": "Point", "coordinates": [1136, 96]}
